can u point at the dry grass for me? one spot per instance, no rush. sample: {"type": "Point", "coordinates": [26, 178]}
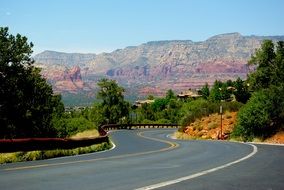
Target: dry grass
{"type": "Point", "coordinates": [183, 136]}
{"type": "Point", "coordinates": [86, 134]}
{"type": "Point", "coordinates": [212, 125]}
{"type": "Point", "coordinates": [277, 138]}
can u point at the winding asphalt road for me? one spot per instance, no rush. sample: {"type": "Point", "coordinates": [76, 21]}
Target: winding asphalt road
{"type": "Point", "coordinates": [148, 159]}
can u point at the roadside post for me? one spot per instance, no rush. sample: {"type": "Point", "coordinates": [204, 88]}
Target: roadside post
{"type": "Point", "coordinates": [221, 112]}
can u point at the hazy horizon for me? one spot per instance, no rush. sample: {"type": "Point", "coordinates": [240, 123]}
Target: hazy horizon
{"type": "Point", "coordinates": [92, 26]}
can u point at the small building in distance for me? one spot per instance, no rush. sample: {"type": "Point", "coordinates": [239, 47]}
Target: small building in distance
{"type": "Point", "coordinates": [139, 103]}
{"type": "Point", "coordinates": [189, 94]}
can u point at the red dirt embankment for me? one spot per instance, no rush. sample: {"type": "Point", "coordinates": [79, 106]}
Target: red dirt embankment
{"type": "Point", "coordinates": [209, 128]}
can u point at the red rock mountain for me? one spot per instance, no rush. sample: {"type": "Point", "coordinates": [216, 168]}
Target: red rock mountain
{"type": "Point", "coordinates": [154, 67]}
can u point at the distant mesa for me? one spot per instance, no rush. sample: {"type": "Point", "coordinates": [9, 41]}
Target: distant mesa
{"type": "Point", "coordinates": [60, 58]}
{"type": "Point", "coordinates": [154, 67]}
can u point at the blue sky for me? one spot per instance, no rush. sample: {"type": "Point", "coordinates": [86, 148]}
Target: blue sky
{"type": "Point", "coordinates": [94, 26]}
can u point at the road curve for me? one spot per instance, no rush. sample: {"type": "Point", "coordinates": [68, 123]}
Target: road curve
{"type": "Point", "coordinates": [147, 159]}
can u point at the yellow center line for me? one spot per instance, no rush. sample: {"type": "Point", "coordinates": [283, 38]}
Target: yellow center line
{"type": "Point", "coordinates": [140, 134]}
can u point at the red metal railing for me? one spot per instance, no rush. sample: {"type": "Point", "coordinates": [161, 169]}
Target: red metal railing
{"type": "Point", "coordinates": [29, 144]}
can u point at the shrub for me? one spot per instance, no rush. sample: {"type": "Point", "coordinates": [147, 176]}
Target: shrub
{"type": "Point", "coordinates": [75, 125]}
{"type": "Point", "coordinates": [39, 155]}
{"type": "Point", "coordinates": [261, 116]}
{"type": "Point", "coordinates": [32, 155]}
{"type": "Point", "coordinates": [228, 115]}
{"type": "Point", "coordinates": [163, 121]}
{"type": "Point", "coordinates": [232, 106]}
{"type": "Point", "coordinates": [8, 157]}
{"type": "Point", "coordinates": [147, 121]}
{"type": "Point", "coordinates": [199, 108]}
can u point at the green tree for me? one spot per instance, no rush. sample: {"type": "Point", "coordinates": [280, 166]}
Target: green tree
{"type": "Point", "coordinates": [147, 112]}
{"type": "Point", "coordinates": [269, 62]}
{"type": "Point", "coordinates": [219, 92]}
{"type": "Point", "coordinates": [205, 92]}
{"type": "Point", "coordinates": [241, 91]}
{"type": "Point", "coordinates": [264, 114]}
{"type": "Point", "coordinates": [96, 114]}
{"type": "Point", "coordinates": [170, 95]}
{"type": "Point", "coordinates": [114, 108]}
{"type": "Point", "coordinates": [172, 112]}
{"type": "Point", "coordinates": [159, 104]}
{"type": "Point", "coordinates": [26, 100]}
{"type": "Point", "coordinates": [150, 97]}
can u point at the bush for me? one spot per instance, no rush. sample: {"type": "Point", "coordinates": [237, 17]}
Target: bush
{"type": "Point", "coordinates": [194, 110]}
{"type": "Point", "coordinates": [163, 121]}
{"type": "Point", "coordinates": [147, 121]}
{"type": "Point", "coordinates": [199, 108]}
{"type": "Point", "coordinates": [228, 115]}
{"type": "Point", "coordinates": [262, 115]}
{"type": "Point", "coordinates": [32, 155]}
{"type": "Point", "coordinates": [75, 125]}
{"type": "Point", "coordinates": [232, 106]}
{"type": "Point", "coordinates": [39, 155]}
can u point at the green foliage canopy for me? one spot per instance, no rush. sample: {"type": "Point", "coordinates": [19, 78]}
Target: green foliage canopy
{"type": "Point", "coordinates": [27, 102]}
{"type": "Point", "coordinates": [205, 92]}
{"type": "Point", "coordinates": [220, 92]}
{"type": "Point", "coordinates": [114, 109]}
{"type": "Point", "coordinates": [241, 91]}
{"type": "Point", "coordinates": [263, 114]}
{"type": "Point", "coordinates": [269, 60]}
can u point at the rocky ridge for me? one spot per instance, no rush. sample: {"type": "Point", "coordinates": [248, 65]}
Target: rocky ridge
{"type": "Point", "coordinates": [154, 67]}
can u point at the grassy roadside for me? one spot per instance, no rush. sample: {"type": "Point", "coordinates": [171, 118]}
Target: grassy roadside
{"type": "Point", "coordinates": [46, 154]}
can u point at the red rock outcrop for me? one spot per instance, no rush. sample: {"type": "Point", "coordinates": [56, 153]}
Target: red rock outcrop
{"type": "Point", "coordinates": [159, 65]}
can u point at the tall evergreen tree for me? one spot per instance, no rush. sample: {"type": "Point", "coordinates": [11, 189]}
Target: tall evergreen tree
{"type": "Point", "coordinates": [205, 92]}
{"type": "Point", "coordinates": [241, 90]}
{"type": "Point", "coordinates": [269, 62]}
{"type": "Point", "coordinates": [26, 100]}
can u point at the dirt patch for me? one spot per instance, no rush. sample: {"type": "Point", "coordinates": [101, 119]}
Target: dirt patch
{"type": "Point", "coordinates": [278, 138]}
{"type": "Point", "coordinates": [210, 128]}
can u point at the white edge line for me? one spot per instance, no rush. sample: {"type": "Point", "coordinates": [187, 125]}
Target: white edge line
{"type": "Point", "coordinates": [171, 182]}
{"type": "Point", "coordinates": [170, 136]}
{"type": "Point", "coordinates": [264, 143]}
{"type": "Point", "coordinates": [96, 152]}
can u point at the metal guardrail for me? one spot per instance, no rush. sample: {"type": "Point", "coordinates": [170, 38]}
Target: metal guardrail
{"type": "Point", "coordinates": [104, 128]}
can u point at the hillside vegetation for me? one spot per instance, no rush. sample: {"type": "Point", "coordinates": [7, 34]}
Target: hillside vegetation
{"type": "Point", "coordinates": [262, 115]}
{"type": "Point", "coordinates": [209, 127]}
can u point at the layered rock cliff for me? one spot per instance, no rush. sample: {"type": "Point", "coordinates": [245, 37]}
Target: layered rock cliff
{"type": "Point", "coordinates": [158, 65]}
